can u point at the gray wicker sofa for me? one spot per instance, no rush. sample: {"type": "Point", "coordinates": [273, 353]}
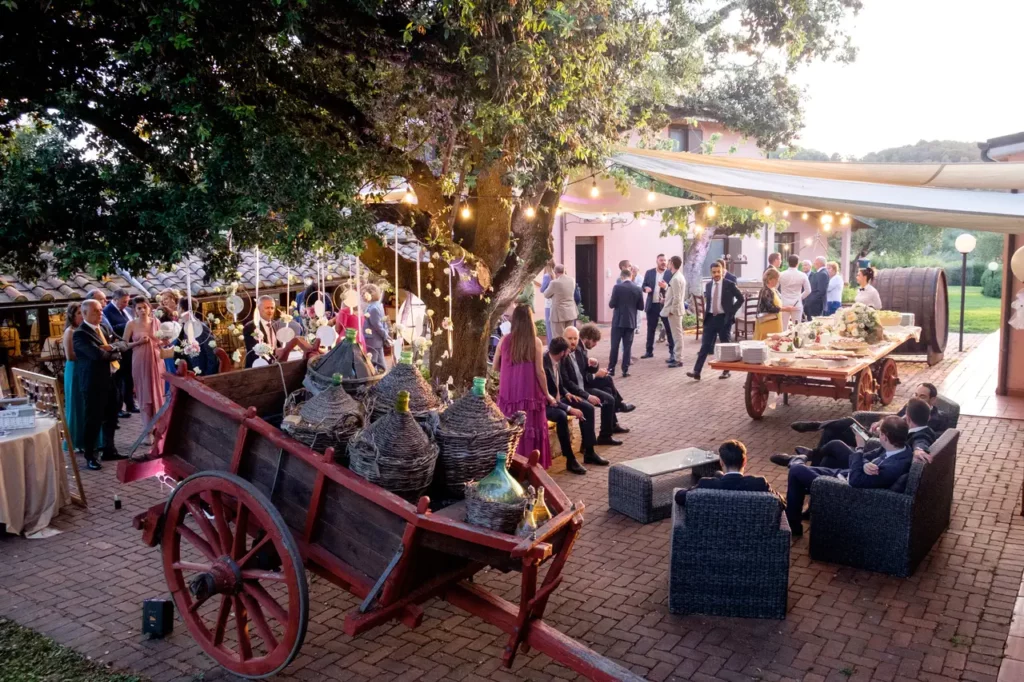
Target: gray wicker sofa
{"type": "Point", "coordinates": [730, 555]}
{"type": "Point", "coordinates": [885, 530]}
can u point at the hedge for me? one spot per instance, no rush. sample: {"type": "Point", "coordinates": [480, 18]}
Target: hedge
{"type": "Point", "coordinates": [992, 283]}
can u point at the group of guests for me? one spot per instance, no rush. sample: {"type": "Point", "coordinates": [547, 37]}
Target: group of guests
{"type": "Point", "coordinates": [868, 450]}
{"type": "Point", "coordinates": [553, 384]}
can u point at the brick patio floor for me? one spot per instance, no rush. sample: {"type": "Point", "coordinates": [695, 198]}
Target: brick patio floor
{"type": "Point", "coordinates": [950, 621]}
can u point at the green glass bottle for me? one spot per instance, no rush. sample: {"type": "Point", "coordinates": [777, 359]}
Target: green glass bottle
{"type": "Point", "coordinates": [406, 357]}
{"type": "Point", "coordinates": [350, 335]}
{"type": "Point", "coordinates": [499, 485]}
{"type": "Point", "coordinates": [479, 386]}
{"type": "Point", "coordinates": [402, 402]}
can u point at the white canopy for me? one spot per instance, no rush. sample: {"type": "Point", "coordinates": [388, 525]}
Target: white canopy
{"type": "Point", "coordinates": [907, 192]}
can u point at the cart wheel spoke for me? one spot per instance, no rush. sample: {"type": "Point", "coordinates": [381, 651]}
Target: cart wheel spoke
{"type": "Point", "coordinates": [242, 625]}
{"type": "Point", "coordinates": [269, 576]}
{"type": "Point", "coordinates": [190, 566]}
{"type": "Point", "coordinates": [196, 541]}
{"type": "Point", "coordinates": [222, 620]}
{"type": "Point", "coordinates": [252, 552]}
{"type": "Point", "coordinates": [204, 525]}
{"type": "Point", "coordinates": [266, 602]}
{"type": "Point", "coordinates": [220, 520]}
{"type": "Point", "coordinates": [257, 618]}
{"type": "Point", "coordinates": [241, 532]}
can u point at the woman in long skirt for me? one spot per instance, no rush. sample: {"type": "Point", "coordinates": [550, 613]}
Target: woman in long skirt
{"type": "Point", "coordinates": [140, 334]}
{"type": "Point", "coordinates": [74, 401]}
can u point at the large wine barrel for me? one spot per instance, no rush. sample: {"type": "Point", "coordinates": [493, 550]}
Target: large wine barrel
{"type": "Point", "coordinates": [921, 291]}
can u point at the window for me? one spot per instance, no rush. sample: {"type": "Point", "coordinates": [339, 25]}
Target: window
{"type": "Point", "coordinates": [785, 243]}
{"type": "Point", "coordinates": [685, 138]}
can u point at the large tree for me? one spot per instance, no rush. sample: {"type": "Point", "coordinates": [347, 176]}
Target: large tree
{"type": "Point", "coordinates": [173, 126]}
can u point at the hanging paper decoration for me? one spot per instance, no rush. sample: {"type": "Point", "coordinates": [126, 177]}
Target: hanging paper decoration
{"type": "Point", "coordinates": [284, 335]}
{"type": "Point", "coordinates": [257, 251]}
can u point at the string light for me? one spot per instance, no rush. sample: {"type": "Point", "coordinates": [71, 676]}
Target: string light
{"type": "Point", "coordinates": [604, 217]}
{"type": "Point", "coordinates": [558, 210]}
{"type": "Point", "coordinates": [594, 191]}
{"type": "Point", "coordinates": [785, 214]}
{"type": "Point", "coordinates": [845, 220]}
{"type": "Point", "coordinates": [530, 212]}
{"type": "Point", "coordinates": [803, 216]}
{"type": "Point", "coordinates": [410, 196]}
{"type": "Point", "coordinates": [697, 228]}
{"type": "Point", "coordinates": [710, 211]}
{"type": "Point", "coordinates": [827, 227]}
{"type": "Point", "coordinates": [466, 212]}
{"type": "Point", "coordinates": [651, 196]}
{"type": "Point", "coordinates": [767, 209]}
{"type": "Point", "coordinates": [808, 241]}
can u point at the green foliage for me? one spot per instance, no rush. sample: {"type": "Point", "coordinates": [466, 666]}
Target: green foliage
{"type": "Point", "coordinates": [542, 329]}
{"type": "Point", "coordinates": [30, 657]}
{"type": "Point", "coordinates": [849, 294]}
{"type": "Point", "coordinates": [992, 283]}
{"type": "Point", "coordinates": [935, 151]}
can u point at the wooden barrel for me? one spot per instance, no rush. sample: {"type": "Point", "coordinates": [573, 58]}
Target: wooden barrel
{"type": "Point", "coordinates": [921, 291]}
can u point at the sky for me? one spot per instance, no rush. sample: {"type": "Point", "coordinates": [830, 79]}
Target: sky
{"type": "Point", "coordinates": [926, 70]}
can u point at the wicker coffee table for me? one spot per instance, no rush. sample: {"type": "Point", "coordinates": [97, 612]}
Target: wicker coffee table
{"type": "Point", "coordinates": [642, 488]}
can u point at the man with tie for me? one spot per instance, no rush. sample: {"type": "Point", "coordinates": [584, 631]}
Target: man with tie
{"type": "Point", "coordinates": [96, 360]}
{"type": "Point", "coordinates": [722, 299]}
{"type": "Point", "coordinates": [626, 301]}
{"type": "Point", "coordinates": [655, 284]}
{"type": "Point", "coordinates": [261, 330]}
{"type": "Point", "coordinates": [118, 314]}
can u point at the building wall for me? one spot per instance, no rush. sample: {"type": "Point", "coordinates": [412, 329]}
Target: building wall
{"type": "Point", "coordinates": [1011, 341]}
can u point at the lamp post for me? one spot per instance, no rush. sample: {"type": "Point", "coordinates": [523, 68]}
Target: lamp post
{"type": "Point", "coordinates": [965, 243]}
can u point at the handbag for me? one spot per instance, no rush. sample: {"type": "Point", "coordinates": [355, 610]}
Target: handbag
{"type": "Point", "coordinates": [767, 317]}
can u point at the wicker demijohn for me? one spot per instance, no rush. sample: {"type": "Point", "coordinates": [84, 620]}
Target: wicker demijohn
{"type": "Point", "coordinates": [402, 377]}
{"type": "Point", "coordinates": [348, 360]}
{"type": "Point", "coordinates": [327, 420]}
{"type": "Point", "coordinates": [471, 430]}
{"type": "Point", "coordinates": [496, 501]}
{"type": "Point", "coordinates": [395, 452]}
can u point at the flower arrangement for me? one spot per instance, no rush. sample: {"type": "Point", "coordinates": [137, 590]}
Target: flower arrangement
{"type": "Point", "coordinates": [190, 348]}
{"type": "Point", "coordinates": [262, 350]}
{"type": "Point", "coordinates": [859, 321]}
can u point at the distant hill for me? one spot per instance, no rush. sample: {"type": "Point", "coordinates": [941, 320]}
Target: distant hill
{"type": "Point", "coordinates": [934, 151]}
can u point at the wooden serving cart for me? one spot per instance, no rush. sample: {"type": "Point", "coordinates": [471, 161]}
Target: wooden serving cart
{"type": "Point", "coordinates": [251, 509]}
{"type": "Point", "coordinates": [861, 380]}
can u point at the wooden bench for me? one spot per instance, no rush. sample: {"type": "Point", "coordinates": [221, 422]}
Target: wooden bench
{"type": "Point", "coordinates": [574, 435]}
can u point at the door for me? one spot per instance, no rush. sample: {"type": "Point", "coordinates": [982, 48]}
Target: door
{"type": "Point", "coordinates": [586, 277]}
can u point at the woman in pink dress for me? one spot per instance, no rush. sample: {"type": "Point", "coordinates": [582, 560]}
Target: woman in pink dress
{"type": "Point", "coordinates": [522, 386]}
{"type": "Point", "coordinates": [140, 334]}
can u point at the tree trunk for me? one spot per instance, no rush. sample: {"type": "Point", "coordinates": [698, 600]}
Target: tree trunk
{"type": "Point", "coordinates": [694, 255]}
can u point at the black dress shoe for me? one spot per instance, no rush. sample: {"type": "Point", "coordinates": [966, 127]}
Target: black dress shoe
{"type": "Point", "coordinates": [805, 427]}
{"type": "Point", "coordinates": [670, 360]}
{"type": "Point", "coordinates": [781, 458]}
{"type": "Point", "coordinates": [123, 415]}
{"type": "Point", "coordinates": [93, 465]}
{"type": "Point", "coordinates": [113, 456]}
{"type": "Point", "coordinates": [801, 450]}
{"type": "Point", "coordinates": [574, 467]}
{"type": "Point", "coordinates": [724, 375]}
{"type": "Point", "coordinates": [594, 458]}
{"type": "Point", "coordinates": [693, 375]}
{"type": "Point", "coordinates": [645, 356]}
{"type": "Point", "coordinates": [133, 410]}
{"type": "Point", "coordinates": [675, 365]}
{"type": "Point", "coordinates": [626, 407]}
{"type": "Point", "coordinates": [606, 440]}
{"type": "Point", "coordinates": [619, 429]}
{"type": "Point", "coordinates": [624, 375]}
{"type": "Point", "coordinates": [611, 373]}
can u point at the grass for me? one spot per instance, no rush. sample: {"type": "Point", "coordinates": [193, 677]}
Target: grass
{"type": "Point", "coordinates": [30, 657]}
{"type": "Point", "coordinates": [981, 313]}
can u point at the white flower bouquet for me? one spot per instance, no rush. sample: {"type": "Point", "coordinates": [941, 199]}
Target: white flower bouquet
{"type": "Point", "coordinates": [860, 322]}
{"type": "Point", "coordinates": [262, 350]}
{"type": "Point", "coordinates": [190, 348]}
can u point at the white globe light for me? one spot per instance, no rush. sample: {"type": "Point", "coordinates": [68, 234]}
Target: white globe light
{"type": "Point", "coordinates": [965, 243]}
{"type": "Point", "coordinates": [993, 266]}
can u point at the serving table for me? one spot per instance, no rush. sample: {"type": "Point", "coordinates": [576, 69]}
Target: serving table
{"type": "Point", "coordinates": [33, 486]}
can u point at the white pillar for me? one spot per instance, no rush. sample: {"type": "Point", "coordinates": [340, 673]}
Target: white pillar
{"type": "Point", "coordinates": [844, 259]}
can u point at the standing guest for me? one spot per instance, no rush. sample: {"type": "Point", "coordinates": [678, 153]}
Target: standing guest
{"type": "Point", "coordinates": [834, 294]}
{"type": "Point", "coordinates": [566, 406]}
{"type": "Point", "coordinates": [518, 361]}
{"type": "Point", "coordinates": [794, 287]}
{"type": "Point", "coordinates": [775, 260]}
{"type": "Point", "coordinates": [74, 399]}
{"type": "Point", "coordinates": [375, 327]}
{"type": "Point", "coordinates": [118, 315]}
{"type": "Point", "coordinates": [769, 307]}
{"type": "Point", "coordinates": [722, 299]}
{"type": "Point", "coordinates": [96, 360]}
{"type": "Point", "coordinates": [814, 305]}
{"type": "Point", "coordinates": [562, 293]}
{"type": "Point", "coordinates": [573, 372]}
{"type": "Point", "coordinates": [206, 363]}
{"type": "Point", "coordinates": [626, 301]}
{"type": "Point", "coordinates": [728, 276]}
{"type": "Point", "coordinates": [868, 294]}
{"type": "Point", "coordinates": [545, 281]}
{"type": "Point", "coordinates": [347, 318]}
{"type": "Point", "coordinates": [100, 297]}
{"type": "Point", "coordinates": [805, 267]}
{"type": "Point", "coordinates": [140, 335]}
{"type": "Point", "coordinates": [673, 310]}
{"type": "Point", "coordinates": [261, 330]}
{"type": "Point", "coordinates": [655, 285]}
{"type": "Point", "coordinates": [168, 310]}
{"type": "Point", "coordinates": [599, 379]}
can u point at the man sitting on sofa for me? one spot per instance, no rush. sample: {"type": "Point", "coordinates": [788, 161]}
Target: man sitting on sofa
{"type": "Point", "coordinates": [836, 453]}
{"type": "Point", "coordinates": [732, 454]}
{"type": "Point", "coordinates": [880, 467]}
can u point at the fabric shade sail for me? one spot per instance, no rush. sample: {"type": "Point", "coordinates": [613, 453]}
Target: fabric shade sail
{"type": "Point", "coordinates": [578, 198]}
{"type": "Point", "coordinates": [904, 192]}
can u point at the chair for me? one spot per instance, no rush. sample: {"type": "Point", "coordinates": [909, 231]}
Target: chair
{"type": "Point", "coordinates": [744, 327]}
{"type": "Point", "coordinates": [730, 555]}
{"type": "Point", "coordinates": [224, 359]}
{"type": "Point", "coordinates": [698, 310]}
{"type": "Point", "coordinates": [886, 531]}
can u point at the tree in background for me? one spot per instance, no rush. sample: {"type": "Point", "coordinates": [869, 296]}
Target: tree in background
{"type": "Point", "coordinates": [212, 128]}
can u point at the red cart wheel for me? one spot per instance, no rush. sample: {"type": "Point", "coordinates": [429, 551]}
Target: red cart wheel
{"type": "Point", "coordinates": [756, 395]}
{"type": "Point", "coordinates": [887, 378]}
{"type": "Point", "coordinates": [863, 396]}
{"type": "Point", "coordinates": [232, 564]}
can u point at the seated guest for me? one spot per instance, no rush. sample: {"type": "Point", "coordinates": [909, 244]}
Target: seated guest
{"type": "Point", "coordinates": [836, 454]}
{"type": "Point", "coordinates": [732, 454]}
{"type": "Point", "coordinates": [599, 379]}
{"type": "Point", "coordinates": [573, 371]}
{"type": "Point", "coordinates": [880, 467]}
{"type": "Point", "coordinates": [568, 405]}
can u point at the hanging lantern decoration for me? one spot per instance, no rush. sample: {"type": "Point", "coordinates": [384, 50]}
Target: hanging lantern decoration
{"type": "Point", "coordinates": [767, 209]}
{"type": "Point", "coordinates": [530, 212]}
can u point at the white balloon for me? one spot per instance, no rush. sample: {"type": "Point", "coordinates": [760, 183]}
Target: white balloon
{"type": "Point", "coordinates": [351, 299]}
{"type": "Point", "coordinates": [319, 308]}
{"type": "Point", "coordinates": [284, 335]}
{"type": "Point", "coordinates": [1017, 264]}
{"type": "Point", "coordinates": [234, 305]}
{"type": "Point", "coordinates": [327, 335]}
{"type": "Point", "coordinates": [171, 328]}
{"type": "Point", "coordinates": [505, 327]}
{"type": "Point", "coordinates": [260, 362]}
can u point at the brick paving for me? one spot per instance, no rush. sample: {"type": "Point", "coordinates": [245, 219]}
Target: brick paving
{"type": "Point", "coordinates": [950, 621]}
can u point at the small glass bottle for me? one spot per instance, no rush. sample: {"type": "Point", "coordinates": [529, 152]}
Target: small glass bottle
{"type": "Point", "coordinates": [541, 513]}
{"type": "Point", "coordinates": [528, 525]}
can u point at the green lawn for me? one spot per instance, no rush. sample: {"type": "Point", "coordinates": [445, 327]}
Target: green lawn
{"type": "Point", "coordinates": [30, 657]}
{"type": "Point", "coordinates": [981, 313]}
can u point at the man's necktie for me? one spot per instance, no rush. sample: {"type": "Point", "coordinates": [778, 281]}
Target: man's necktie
{"type": "Point", "coordinates": [114, 364]}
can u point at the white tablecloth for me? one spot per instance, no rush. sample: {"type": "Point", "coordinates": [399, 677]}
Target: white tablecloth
{"type": "Point", "coordinates": [33, 486]}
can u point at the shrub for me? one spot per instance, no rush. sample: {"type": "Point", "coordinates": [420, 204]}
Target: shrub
{"type": "Point", "coordinates": [849, 294]}
{"type": "Point", "coordinates": [992, 283]}
{"type": "Point", "coordinates": [542, 329]}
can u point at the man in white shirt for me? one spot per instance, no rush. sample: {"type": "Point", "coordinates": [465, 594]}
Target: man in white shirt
{"type": "Point", "coordinates": [794, 287]}
{"type": "Point", "coordinates": [673, 309]}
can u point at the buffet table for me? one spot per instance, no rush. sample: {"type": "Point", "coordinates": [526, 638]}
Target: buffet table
{"type": "Point", "coordinates": [33, 486]}
{"type": "Point", "coordinates": [858, 376]}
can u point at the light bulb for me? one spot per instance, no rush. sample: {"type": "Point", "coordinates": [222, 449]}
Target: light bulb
{"type": "Point", "coordinates": [710, 211]}
{"type": "Point", "coordinates": [558, 210]}
{"type": "Point", "coordinates": [845, 220]}
{"type": "Point", "coordinates": [410, 196]}
{"type": "Point", "coordinates": [827, 227]}
{"type": "Point", "coordinates": [698, 228]}
{"type": "Point", "coordinates": [651, 196]}
{"type": "Point", "coordinates": [594, 191]}
{"type": "Point", "coordinates": [785, 214]}
{"type": "Point", "coordinates": [767, 209]}
{"type": "Point", "coordinates": [530, 212]}
{"type": "Point", "coordinates": [808, 241]}
{"type": "Point", "coordinates": [466, 212]}
{"type": "Point", "coordinates": [604, 217]}
{"type": "Point", "coordinates": [803, 216]}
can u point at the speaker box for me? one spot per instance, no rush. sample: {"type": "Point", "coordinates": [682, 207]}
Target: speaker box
{"type": "Point", "coordinates": [157, 617]}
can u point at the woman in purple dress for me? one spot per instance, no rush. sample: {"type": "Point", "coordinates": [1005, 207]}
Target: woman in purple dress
{"type": "Point", "coordinates": [522, 386]}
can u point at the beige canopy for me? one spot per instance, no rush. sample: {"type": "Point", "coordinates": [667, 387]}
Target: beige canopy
{"type": "Point", "coordinates": [578, 197]}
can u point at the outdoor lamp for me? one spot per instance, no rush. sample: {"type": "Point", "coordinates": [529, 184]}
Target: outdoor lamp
{"type": "Point", "coordinates": [827, 227]}
{"type": "Point", "coordinates": [594, 191]}
{"type": "Point", "coordinates": [808, 241]}
{"type": "Point", "coordinates": [965, 243]}
{"type": "Point", "coordinates": [530, 212]}
{"type": "Point", "coordinates": [993, 266]}
{"type": "Point", "coordinates": [767, 209]}
{"type": "Point", "coordinates": [785, 214]}
{"type": "Point", "coordinates": [710, 210]}
{"type": "Point", "coordinates": [803, 216]}
{"type": "Point", "coordinates": [466, 212]}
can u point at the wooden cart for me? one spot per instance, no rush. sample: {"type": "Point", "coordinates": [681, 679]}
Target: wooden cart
{"type": "Point", "coordinates": [251, 509]}
{"type": "Point", "coordinates": [863, 381]}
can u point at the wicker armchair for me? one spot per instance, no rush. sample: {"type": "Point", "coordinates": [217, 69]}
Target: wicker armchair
{"type": "Point", "coordinates": [884, 530]}
{"type": "Point", "coordinates": [730, 555]}
{"type": "Point", "coordinates": [949, 408]}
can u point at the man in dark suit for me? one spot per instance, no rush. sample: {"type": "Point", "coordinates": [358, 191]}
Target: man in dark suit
{"type": "Point", "coordinates": [573, 378]}
{"type": "Point", "coordinates": [599, 379]}
{"type": "Point", "coordinates": [260, 329]}
{"type": "Point", "coordinates": [814, 304]}
{"type": "Point", "coordinates": [96, 359]}
{"type": "Point", "coordinates": [206, 362]}
{"type": "Point", "coordinates": [566, 406]}
{"type": "Point", "coordinates": [626, 301]}
{"type": "Point", "coordinates": [880, 467]}
{"type": "Point", "coordinates": [655, 283]}
{"type": "Point", "coordinates": [729, 277]}
{"type": "Point", "coordinates": [118, 314]}
{"type": "Point", "coordinates": [722, 299]}
{"type": "Point", "coordinates": [732, 455]}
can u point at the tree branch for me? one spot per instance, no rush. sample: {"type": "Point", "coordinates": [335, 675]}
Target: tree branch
{"type": "Point", "coordinates": [719, 16]}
